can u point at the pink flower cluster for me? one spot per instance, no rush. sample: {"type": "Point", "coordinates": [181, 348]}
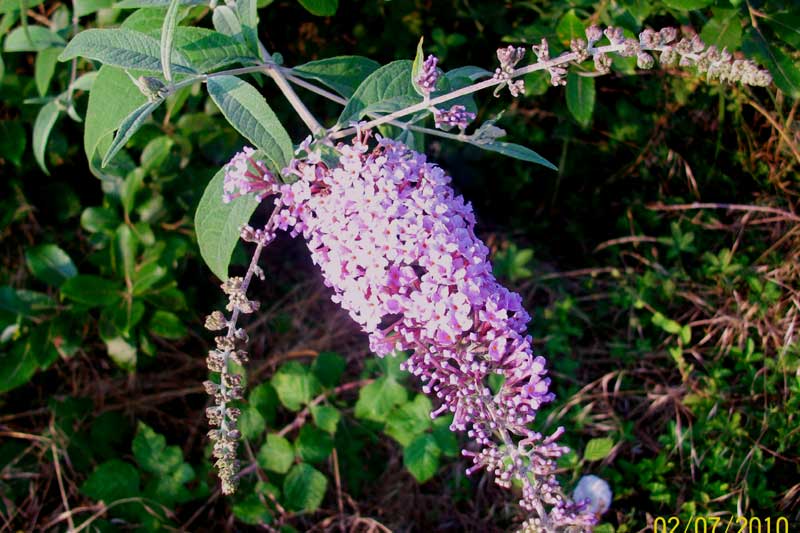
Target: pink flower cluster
{"type": "Point", "coordinates": [399, 250]}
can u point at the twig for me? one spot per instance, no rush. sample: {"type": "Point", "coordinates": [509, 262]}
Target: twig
{"type": "Point", "coordinates": [734, 207]}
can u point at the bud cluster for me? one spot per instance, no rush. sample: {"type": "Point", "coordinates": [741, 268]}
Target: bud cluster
{"type": "Point", "coordinates": [689, 51]}
{"type": "Point", "coordinates": [223, 415]}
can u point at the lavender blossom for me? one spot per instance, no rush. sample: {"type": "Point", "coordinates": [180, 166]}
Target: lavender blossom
{"type": "Point", "coordinates": [457, 116]}
{"type": "Point", "coordinates": [398, 248]}
{"type": "Point", "coordinates": [428, 76]}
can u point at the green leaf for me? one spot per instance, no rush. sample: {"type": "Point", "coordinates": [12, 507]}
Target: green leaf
{"type": "Point", "coordinates": [128, 127]}
{"type": "Point", "coordinates": [32, 39]}
{"type": "Point", "coordinates": [92, 291]}
{"type": "Point", "coordinates": [94, 219]}
{"type": "Point", "coordinates": [785, 71]}
{"type": "Point", "coordinates": [247, 11]}
{"type": "Point", "coordinates": [87, 7]}
{"type": "Point", "coordinates": [17, 365]}
{"type": "Point", "coordinates": [44, 68]}
{"type": "Point", "coordinates": [313, 445]}
{"type": "Point", "coordinates": [45, 120]}
{"type": "Point", "coordinates": [250, 115]}
{"type": "Point", "coordinates": [580, 97]}
{"type": "Point", "coordinates": [208, 50]}
{"type": "Point", "coordinates": [421, 457]}
{"type": "Point", "coordinates": [10, 6]}
{"type": "Point", "coordinates": [320, 8]}
{"type": "Point", "coordinates": [167, 44]}
{"type": "Point", "coordinates": [251, 510]}
{"type": "Point", "coordinates": [597, 449]}
{"type": "Point", "coordinates": [276, 455]}
{"type": "Point", "coordinates": [517, 152]}
{"type": "Point", "coordinates": [226, 22]}
{"type": "Point", "coordinates": [687, 5]}
{"type": "Point", "coordinates": [50, 264]}
{"type": "Point", "coordinates": [251, 423]}
{"type": "Point", "coordinates": [328, 367]}
{"type": "Point", "coordinates": [218, 224]}
{"type": "Point", "coordinates": [111, 481]}
{"type": "Point", "coordinates": [379, 398]}
{"type": "Point", "coordinates": [409, 420]}
{"type": "Point", "coordinates": [343, 74]}
{"type": "Point", "coordinates": [786, 25]}
{"type": "Point", "coordinates": [416, 67]}
{"type": "Point", "coordinates": [171, 472]}
{"type": "Point", "coordinates": [124, 48]}
{"type": "Point", "coordinates": [111, 101]}
{"type": "Point", "coordinates": [326, 417]}
{"type": "Point", "coordinates": [445, 438]}
{"type": "Point", "coordinates": [570, 27]}
{"type": "Point", "coordinates": [304, 488]}
{"type": "Point", "coordinates": [167, 325]}
{"type": "Point", "coordinates": [389, 81]}
{"type": "Point", "coordinates": [723, 30]}
{"type": "Point", "coordinates": [295, 385]}
{"type": "Point", "coordinates": [265, 400]}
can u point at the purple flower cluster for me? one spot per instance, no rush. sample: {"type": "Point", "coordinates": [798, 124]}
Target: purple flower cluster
{"type": "Point", "coordinates": [456, 116]}
{"type": "Point", "coordinates": [399, 250]}
{"type": "Point", "coordinates": [245, 174]}
{"type": "Point", "coordinates": [428, 76]}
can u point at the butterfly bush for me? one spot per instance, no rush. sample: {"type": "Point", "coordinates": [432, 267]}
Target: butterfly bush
{"type": "Point", "coordinates": [398, 248]}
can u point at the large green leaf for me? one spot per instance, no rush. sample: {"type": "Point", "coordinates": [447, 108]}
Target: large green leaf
{"type": "Point", "coordinates": [128, 127]}
{"type": "Point", "coordinates": [276, 455]}
{"type": "Point", "coordinates": [343, 74]}
{"type": "Point", "coordinates": [304, 488]}
{"type": "Point", "coordinates": [112, 481]}
{"type": "Point", "coordinates": [785, 71]}
{"type": "Point", "coordinates": [580, 97]}
{"type": "Point", "coordinates": [723, 30]}
{"type": "Point", "coordinates": [379, 398]}
{"type": "Point", "coordinates": [409, 420]}
{"type": "Point", "coordinates": [687, 5]}
{"type": "Point", "coordinates": [44, 68]}
{"type": "Point", "coordinates": [321, 8]}
{"type": "Point", "coordinates": [421, 457]}
{"type": "Point", "coordinates": [208, 50]}
{"type": "Point", "coordinates": [218, 224]}
{"type": "Point", "coordinates": [517, 152]}
{"type": "Point", "coordinates": [249, 113]}
{"type": "Point", "coordinates": [91, 290]}
{"type": "Point", "coordinates": [570, 27]}
{"type": "Point", "coordinates": [32, 39]}
{"type": "Point", "coordinates": [112, 99]}
{"type": "Point", "coordinates": [388, 82]}
{"type": "Point", "coordinates": [295, 385]}
{"type": "Point", "coordinates": [50, 264]}
{"type": "Point", "coordinates": [247, 11]}
{"type": "Point", "coordinates": [122, 47]}
{"type": "Point", "coordinates": [45, 120]}
{"type": "Point", "coordinates": [167, 44]}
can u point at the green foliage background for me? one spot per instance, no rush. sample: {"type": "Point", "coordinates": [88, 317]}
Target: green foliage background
{"type": "Point", "coordinates": [672, 332]}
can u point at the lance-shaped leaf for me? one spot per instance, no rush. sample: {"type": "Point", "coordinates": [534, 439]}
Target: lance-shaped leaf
{"type": "Point", "coordinates": [124, 48]}
{"type": "Point", "coordinates": [343, 74]}
{"type": "Point", "coordinates": [784, 71]}
{"type": "Point", "coordinates": [31, 39]}
{"type": "Point", "coordinates": [248, 15]}
{"type": "Point", "coordinates": [226, 22]}
{"type": "Point", "coordinates": [217, 224]}
{"type": "Point", "coordinates": [168, 38]}
{"type": "Point", "coordinates": [208, 50]}
{"type": "Point", "coordinates": [517, 152]}
{"type": "Point", "coordinates": [113, 97]}
{"type": "Point", "coordinates": [416, 68]}
{"type": "Point", "coordinates": [580, 97]}
{"type": "Point", "coordinates": [387, 83]}
{"type": "Point", "coordinates": [41, 131]}
{"type": "Point", "coordinates": [128, 127]}
{"type": "Point", "coordinates": [249, 113]}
